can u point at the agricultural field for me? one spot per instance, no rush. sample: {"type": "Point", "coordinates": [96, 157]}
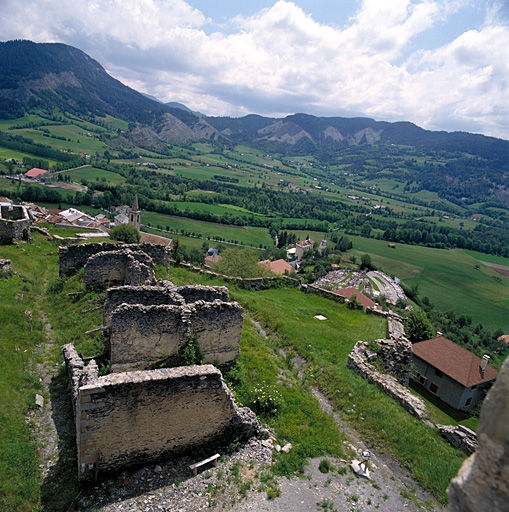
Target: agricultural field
{"type": "Point", "coordinates": [449, 278]}
{"type": "Point", "coordinates": [90, 173]}
{"type": "Point", "coordinates": [247, 235]}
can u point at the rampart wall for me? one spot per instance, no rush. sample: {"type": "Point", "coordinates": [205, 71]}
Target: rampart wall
{"type": "Point", "coordinates": [255, 283]}
{"type": "Point", "coordinates": [74, 257]}
{"type": "Point", "coordinates": [460, 437]}
{"type": "Point", "coordinates": [121, 267]}
{"type": "Point", "coordinates": [140, 417]}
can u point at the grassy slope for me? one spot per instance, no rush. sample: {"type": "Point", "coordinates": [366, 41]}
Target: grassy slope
{"type": "Point", "coordinates": [289, 313]}
{"type": "Point", "coordinates": [265, 362]}
{"type": "Point", "coordinates": [19, 337]}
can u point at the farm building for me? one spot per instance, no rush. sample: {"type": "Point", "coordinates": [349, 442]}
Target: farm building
{"type": "Point", "coordinates": [452, 373]}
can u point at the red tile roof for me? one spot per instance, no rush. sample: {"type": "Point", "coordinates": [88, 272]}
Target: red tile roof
{"type": "Point", "coordinates": [34, 172]}
{"type": "Point", "coordinates": [457, 362]}
{"type": "Point", "coordinates": [347, 293]}
{"type": "Point", "coordinates": [279, 267]}
{"type": "Point", "coordinates": [154, 239]}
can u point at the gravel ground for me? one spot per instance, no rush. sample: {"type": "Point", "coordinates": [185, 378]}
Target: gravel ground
{"type": "Point", "coordinates": [240, 482]}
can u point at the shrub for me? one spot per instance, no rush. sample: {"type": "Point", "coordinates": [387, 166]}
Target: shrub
{"type": "Point", "coordinates": [325, 466]}
{"type": "Point", "coordinates": [125, 233]}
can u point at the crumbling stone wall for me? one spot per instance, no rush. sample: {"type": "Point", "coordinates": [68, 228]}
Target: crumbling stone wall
{"type": "Point", "coordinates": [460, 437]}
{"type": "Point", "coordinates": [206, 293]}
{"type": "Point", "coordinates": [481, 483]}
{"type": "Point", "coordinates": [141, 335]}
{"type": "Point", "coordinates": [144, 295]}
{"type": "Point", "coordinates": [255, 283]}
{"type": "Point", "coordinates": [120, 267]}
{"type": "Point", "coordinates": [358, 361]}
{"type": "Point", "coordinates": [141, 417]}
{"type": "Point", "coordinates": [206, 329]}
{"type": "Point", "coordinates": [74, 257]}
{"type": "Point", "coordinates": [14, 223]}
{"type": "Point", "coordinates": [396, 358]}
{"type": "Point", "coordinates": [217, 326]}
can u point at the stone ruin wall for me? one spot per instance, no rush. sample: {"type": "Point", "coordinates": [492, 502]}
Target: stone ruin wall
{"type": "Point", "coordinates": [147, 323]}
{"type": "Point", "coordinates": [6, 269]}
{"type": "Point", "coordinates": [74, 257]}
{"type": "Point", "coordinates": [396, 351]}
{"type": "Point", "coordinates": [358, 361]}
{"type": "Point", "coordinates": [143, 295]}
{"type": "Point", "coordinates": [459, 437]}
{"type": "Point", "coordinates": [482, 481]}
{"type": "Point", "coordinates": [141, 335]}
{"type": "Point", "coordinates": [14, 223]}
{"type": "Point", "coordinates": [141, 417]}
{"type": "Point", "coordinates": [121, 267]}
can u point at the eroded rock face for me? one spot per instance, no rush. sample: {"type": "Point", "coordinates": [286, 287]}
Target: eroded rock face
{"type": "Point", "coordinates": [482, 483]}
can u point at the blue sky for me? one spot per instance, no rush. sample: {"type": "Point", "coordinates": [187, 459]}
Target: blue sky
{"type": "Point", "coordinates": [442, 64]}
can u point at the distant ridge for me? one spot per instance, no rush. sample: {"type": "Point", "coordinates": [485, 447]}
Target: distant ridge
{"type": "Point", "coordinates": [53, 75]}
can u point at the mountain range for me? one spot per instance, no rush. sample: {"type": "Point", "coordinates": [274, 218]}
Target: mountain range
{"type": "Point", "coordinates": [53, 75]}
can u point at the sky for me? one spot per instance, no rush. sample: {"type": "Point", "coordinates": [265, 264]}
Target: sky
{"type": "Point", "coordinates": [442, 64]}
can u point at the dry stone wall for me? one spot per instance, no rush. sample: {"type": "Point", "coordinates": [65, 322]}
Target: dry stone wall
{"type": "Point", "coordinates": [74, 257]}
{"type": "Point", "coordinates": [396, 358]}
{"type": "Point", "coordinates": [482, 481]}
{"type": "Point", "coordinates": [5, 268]}
{"type": "Point", "coordinates": [460, 437]}
{"type": "Point", "coordinates": [120, 267]}
{"type": "Point", "coordinates": [165, 294]}
{"type": "Point", "coordinates": [358, 361]}
{"type": "Point", "coordinates": [140, 417]}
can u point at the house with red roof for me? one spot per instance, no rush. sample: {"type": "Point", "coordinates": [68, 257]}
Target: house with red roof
{"type": "Point", "coordinates": [279, 267]}
{"type": "Point", "coordinates": [349, 292]}
{"type": "Point", "coordinates": [36, 173]}
{"type": "Point", "coordinates": [454, 374]}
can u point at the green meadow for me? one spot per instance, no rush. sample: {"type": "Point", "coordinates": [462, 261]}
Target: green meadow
{"type": "Point", "coordinates": [449, 278]}
{"type": "Point", "coordinates": [247, 235]}
{"type": "Point", "coordinates": [91, 173]}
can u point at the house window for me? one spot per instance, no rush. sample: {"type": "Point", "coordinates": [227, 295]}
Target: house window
{"type": "Point", "coordinates": [474, 386]}
{"type": "Point", "coordinates": [467, 403]}
{"type": "Point", "coordinates": [433, 388]}
{"type": "Point", "coordinates": [422, 379]}
{"type": "Point", "coordinates": [438, 373]}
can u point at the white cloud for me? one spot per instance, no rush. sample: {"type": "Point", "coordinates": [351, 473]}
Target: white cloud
{"type": "Point", "coordinates": [281, 61]}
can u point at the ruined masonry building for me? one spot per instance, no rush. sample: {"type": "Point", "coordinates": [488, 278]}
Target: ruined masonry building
{"type": "Point", "coordinates": [14, 223]}
{"type": "Point", "coordinates": [136, 414]}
